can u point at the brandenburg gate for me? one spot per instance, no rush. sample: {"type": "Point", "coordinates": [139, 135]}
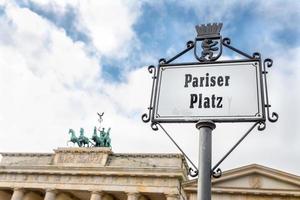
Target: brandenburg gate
{"type": "Point", "coordinates": [79, 173]}
{"type": "Point", "coordinates": [96, 173]}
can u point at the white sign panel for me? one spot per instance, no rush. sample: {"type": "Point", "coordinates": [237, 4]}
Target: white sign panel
{"type": "Point", "coordinates": [222, 92]}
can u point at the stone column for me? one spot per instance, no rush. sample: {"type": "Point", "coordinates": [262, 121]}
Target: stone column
{"type": "Point", "coordinates": [18, 194]}
{"type": "Point", "coordinates": [133, 196]}
{"type": "Point", "coordinates": [172, 197]}
{"type": "Point", "coordinates": [96, 195]}
{"type": "Point", "coordinates": [50, 194]}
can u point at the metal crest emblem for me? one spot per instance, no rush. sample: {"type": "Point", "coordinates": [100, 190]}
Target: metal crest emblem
{"type": "Point", "coordinates": [211, 42]}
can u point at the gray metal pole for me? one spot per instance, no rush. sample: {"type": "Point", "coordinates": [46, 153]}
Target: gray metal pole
{"type": "Point", "coordinates": [204, 161]}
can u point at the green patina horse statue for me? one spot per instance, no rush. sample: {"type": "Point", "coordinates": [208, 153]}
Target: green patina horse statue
{"type": "Point", "coordinates": [103, 140]}
{"type": "Point", "coordinates": [107, 140]}
{"type": "Point", "coordinates": [99, 142]}
{"type": "Point", "coordinates": [81, 140]}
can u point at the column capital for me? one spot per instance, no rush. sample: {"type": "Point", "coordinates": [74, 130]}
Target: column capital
{"type": "Point", "coordinates": [53, 190]}
{"type": "Point", "coordinates": [172, 196]}
{"type": "Point", "coordinates": [97, 192]}
{"type": "Point", "coordinates": [133, 195]}
{"type": "Point", "coordinates": [96, 195]}
{"type": "Point", "coordinates": [132, 192]}
{"type": "Point", "coordinates": [50, 194]}
{"type": "Point", "coordinates": [18, 194]}
{"type": "Point", "coordinates": [206, 123]}
{"type": "Point", "coordinates": [18, 189]}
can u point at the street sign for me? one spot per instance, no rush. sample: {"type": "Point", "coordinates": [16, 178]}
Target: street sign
{"type": "Point", "coordinates": [209, 91]}
{"type": "Point", "coordinates": [225, 91]}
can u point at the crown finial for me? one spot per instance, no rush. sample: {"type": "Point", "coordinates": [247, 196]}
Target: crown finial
{"type": "Point", "coordinates": [208, 30]}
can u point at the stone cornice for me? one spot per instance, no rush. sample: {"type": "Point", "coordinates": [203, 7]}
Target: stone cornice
{"type": "Point", "coordinates": [258, 169]}
{"type": "Point", "coordinates": [267, 192]}
{"type": "Point", "coordinates": [101, 149]}
{"type": "Point", "coordinates": [83, 150]}
{"type": "Point", "coordinates": [13, 154]}
{"type": "Point", "coordinates": [152, 155]}
{"type": "Point", "coordinates": [249, 191]}
{"type": "Point", "coordinates": [148, 155]}
{"type": "Point", "coordinates": [96, 171]}
{"type": "Point", "coordinates": [94, 150]}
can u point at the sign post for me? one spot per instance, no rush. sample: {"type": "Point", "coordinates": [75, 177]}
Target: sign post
{"type": "Point", "coordinates": [204, 159]}
{"type": "Point", "coordinates": [207, 92]}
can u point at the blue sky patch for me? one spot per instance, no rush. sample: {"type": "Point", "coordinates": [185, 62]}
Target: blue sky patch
{"type": "Point", "coordinates": [163, 29]}
{"type": "Point", "coordinates": [2, 10]}
{"type": "Point", "coordinates": [66, 20]}
{"type": "Point", "coordinates": [168, 26]}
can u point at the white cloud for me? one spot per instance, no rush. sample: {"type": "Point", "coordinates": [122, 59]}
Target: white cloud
{"type": "Point", "coordinates": [49, 84]}
{"type": "Point", "coordinates": [110, 25]}
{"type": "Point", "coordinates": [107, 23]}
{"type": "Point", "coordinates": [43, 77]}
{"type": "Point", "coordinates": [133, 95]}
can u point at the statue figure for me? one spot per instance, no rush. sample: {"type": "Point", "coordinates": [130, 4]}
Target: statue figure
{"type": "Point", "coordinates": [102, 137]}
{"type": "Point", "coordinates": [107, 139]}
{"type": "Point", "coordinates": [100, 117]}
{"type": "Point", "coordinates": [98, 140]}
{"type": "Point", "coordinates": [82, 140]}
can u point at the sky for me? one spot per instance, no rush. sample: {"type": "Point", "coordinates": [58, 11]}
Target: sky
{"type": "Point", "coordinates": [62, 61]}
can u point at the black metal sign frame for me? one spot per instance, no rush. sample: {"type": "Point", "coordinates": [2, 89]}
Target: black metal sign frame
{"type": "Point", "coordinates": [211, 49]}
{"type": "Point", "coordinates": [259, 115]}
